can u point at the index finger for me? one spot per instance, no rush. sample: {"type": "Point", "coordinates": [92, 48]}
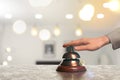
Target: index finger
{"type": "Point", "coordinates": [74, 43]}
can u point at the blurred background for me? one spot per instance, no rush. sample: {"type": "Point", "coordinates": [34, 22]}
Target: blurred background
{"type": "Point", "coordinates": [33, 31]}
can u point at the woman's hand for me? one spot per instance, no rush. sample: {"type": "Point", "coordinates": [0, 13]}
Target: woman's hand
{"type": "Point", "coordinates": [90, 44]}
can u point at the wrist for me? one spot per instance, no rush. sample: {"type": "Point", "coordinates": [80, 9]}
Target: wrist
{"type": "Point", "coordinates": [105, 40]}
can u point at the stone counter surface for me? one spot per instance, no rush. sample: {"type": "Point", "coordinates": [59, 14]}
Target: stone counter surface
{"type": "Point", "coordinates": [48, 72]}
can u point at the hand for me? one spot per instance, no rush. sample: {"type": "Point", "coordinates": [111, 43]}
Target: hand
{"type": "Point", "coordinates": [90, 44]}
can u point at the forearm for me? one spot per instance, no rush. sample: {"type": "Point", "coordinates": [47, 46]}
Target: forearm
{"type": "Point", "coordinates": [114, 38]}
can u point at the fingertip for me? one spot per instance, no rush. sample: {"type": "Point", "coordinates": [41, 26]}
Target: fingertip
{"type": "Point", "coordinates": [64, 45]}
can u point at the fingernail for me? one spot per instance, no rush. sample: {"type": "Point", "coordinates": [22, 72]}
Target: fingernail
{"type": "Point", "coordinates": [75, 48]}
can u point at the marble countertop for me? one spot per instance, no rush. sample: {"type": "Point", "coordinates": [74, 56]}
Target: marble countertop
{"type": "Point", "coordinates": [48, 72]}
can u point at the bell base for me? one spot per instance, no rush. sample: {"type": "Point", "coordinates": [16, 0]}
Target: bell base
{"type": "Point", "coordinates": [71, 68]}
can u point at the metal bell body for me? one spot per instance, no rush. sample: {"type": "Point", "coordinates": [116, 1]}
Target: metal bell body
{"type": "Point", "coordinates": [71, 55]}
{"type": "Point", "coordinates": [70, 62]}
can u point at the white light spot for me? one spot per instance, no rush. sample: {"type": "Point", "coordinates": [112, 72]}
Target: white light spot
{"type": "Point", "coordinates": [5, 63]}
{"type": "Point", "coordinates": [78, 32]}
{"type": "Point", "coordinates": [56, 31]}
{"type": "Point", "coordinates": [86, 13]}
{"type": "Point", "coordinates": [38, 16]}
{"type": "Point", "coordinates": [8, 49]}
{"type": "Point", "coordinates": [19, 27]}
{"type": "Point", "coordinates": [44, 34]}
{"type": "Point", "coordinates": [100, 16]}
{"type": "Point", "coordinates": [34, 31]}
{"type": "Point", "coordinates": [9, 58]}
{"type": "Point", "coordinates": [69, 16]}
{"type": "Point", "coordinates": [8, 16]}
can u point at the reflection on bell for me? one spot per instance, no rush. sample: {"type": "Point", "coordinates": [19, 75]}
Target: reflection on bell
{"type": "Point", "coordinates": [70, 62]}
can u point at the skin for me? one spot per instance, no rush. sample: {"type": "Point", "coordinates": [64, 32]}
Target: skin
{"type": "Point", "coordinates": [89, 44]}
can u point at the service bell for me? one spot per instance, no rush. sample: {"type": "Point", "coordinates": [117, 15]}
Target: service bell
{"type": "Point", "coordinates": [70, 62]}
